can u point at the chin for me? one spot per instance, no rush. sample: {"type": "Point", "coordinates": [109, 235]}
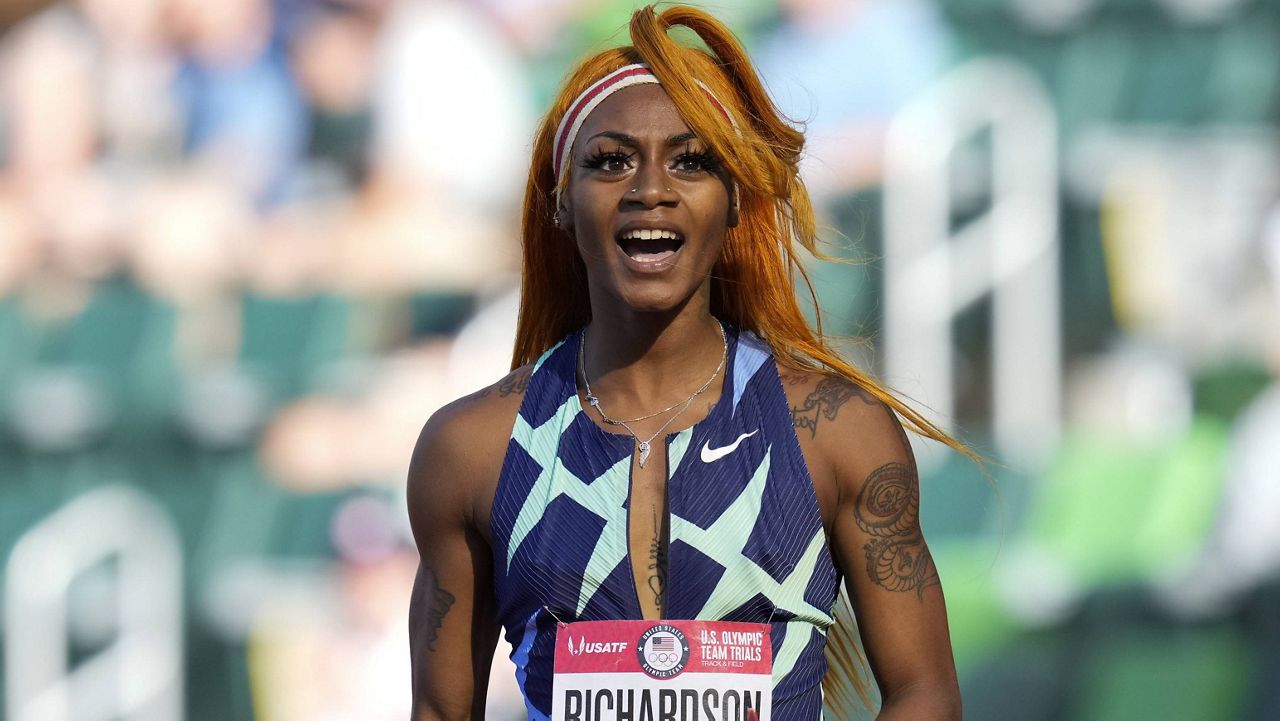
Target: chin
{"type": "Point", "coordinates": [652, 299]}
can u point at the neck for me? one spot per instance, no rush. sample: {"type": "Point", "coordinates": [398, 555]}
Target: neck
{"type": "Point", "coordinates": [639, 362]}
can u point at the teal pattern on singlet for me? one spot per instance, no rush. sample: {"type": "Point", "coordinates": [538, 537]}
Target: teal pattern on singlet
{"type": "Point", "coordinates": [746, 537]}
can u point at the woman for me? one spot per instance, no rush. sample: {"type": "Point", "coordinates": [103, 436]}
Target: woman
{"type": "Point", "coordinates": [675, 442]}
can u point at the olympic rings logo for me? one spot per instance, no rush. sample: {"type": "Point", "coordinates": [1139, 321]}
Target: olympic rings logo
{"type": "Point", "coordinates": [663, 651]}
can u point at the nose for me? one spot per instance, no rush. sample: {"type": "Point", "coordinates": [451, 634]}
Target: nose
{"type": "Point", "coordinates": [652, 187]}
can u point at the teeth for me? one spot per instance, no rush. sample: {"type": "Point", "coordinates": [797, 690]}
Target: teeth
{"type": "Point", "coordinates": [648, 234]}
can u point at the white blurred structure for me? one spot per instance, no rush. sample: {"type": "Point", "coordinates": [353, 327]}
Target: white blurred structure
{"type": "Point", "coordinates": [138, 675]}
{"type": "Point", "coordinates": [452, 104]}
{"type": "Point", "coordinates": [933, 273]}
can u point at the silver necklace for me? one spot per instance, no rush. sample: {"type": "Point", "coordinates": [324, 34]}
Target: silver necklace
{"type": "Point", "coordinates": [619, 421]}
{"type": "Point", "coordinates": [643, 446]}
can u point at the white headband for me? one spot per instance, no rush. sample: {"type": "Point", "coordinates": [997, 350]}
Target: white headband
{"type": "Point", "coordinates": [590, 99]}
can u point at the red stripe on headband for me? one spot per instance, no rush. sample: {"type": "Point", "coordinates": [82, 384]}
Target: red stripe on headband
{"type": "Point", "coordinates": [716, 102]}
{"type": "Point", "coordinates": [571, 116]}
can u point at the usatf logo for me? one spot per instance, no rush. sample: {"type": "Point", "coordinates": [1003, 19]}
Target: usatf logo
{"type": "Point", "coordinates": [663, 651]}
{"type": "Point", "coordinates": [594, 647]}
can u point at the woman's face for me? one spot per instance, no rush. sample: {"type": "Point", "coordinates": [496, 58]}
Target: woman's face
{"type": "Point", "coordinates": [648, 205]}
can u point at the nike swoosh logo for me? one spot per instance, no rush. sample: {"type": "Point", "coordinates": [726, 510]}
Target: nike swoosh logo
{"type": "Point", "coordinates": [710, 455]}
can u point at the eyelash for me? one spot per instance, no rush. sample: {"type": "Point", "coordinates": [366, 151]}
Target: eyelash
{"type": "Point", "coordinates": [596, 160]}
{"type": "Point", "coordinates": [706, 161]}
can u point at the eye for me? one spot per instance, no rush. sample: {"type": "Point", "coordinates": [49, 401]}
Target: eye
{"type": "Point", "coordinates": [693, 162]}
{"type": "Point", "coordinates": [608, 161]}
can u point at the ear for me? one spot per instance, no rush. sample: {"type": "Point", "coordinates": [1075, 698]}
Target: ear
{"type": "Point", "coordinates": [734, 199]}
{"type": "Point", "coordinates": [564, 211]}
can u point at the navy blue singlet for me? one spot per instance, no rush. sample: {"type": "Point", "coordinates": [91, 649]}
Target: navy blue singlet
{"type": "Point", "coordinates": [746, 536]}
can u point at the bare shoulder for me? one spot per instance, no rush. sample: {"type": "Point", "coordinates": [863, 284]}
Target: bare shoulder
{"type": "Point", "coordinates": [845, 431]}
{"type": "Point", "coordinates": [459, 454]}
{"type": "Point", "coordinates": [821, 403]}
{"type": "Point", "coordinates": [464, 425]}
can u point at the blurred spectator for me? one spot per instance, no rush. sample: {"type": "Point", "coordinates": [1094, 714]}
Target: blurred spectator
{"type": "Point", "coordinates": [535, 27]}
{"type": "Point", "coordinates": [19, 256]}
{"type": "Point", "coordinates": [193, 233]}
{"type": "Point", "coordinates": [244, 116]}
{"type": "Point", "coordinates": [332, 55]}
{"type": "Point", "coordinates": [399, 237]}
{"type": "Point", "coordinates": [336, 650]}
{"type": "Point", "coordinates": [453, 111]}
{"type": "Point", "coordinates": [19, 246]}
{"type": "Point", "coordinates": [362, 426]}
{"type": "Point", "coordinates": [339, 652]}
{"type": "Point", "coordinates": [51, 100]}
{"type": "Point", "coordinates": [363, 429]}
{"type": "Point", "coordinates": [140, 120]}
{"type": "Point", "coordinates": [294, 253]}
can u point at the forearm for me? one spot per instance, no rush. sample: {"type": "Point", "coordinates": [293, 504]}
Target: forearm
{"type": "Point", "coordinates": [452, 635]}
{"type": "Point", "coordinates": [450, 655]}
{"type": "Point", "coordinates": [921, 702]}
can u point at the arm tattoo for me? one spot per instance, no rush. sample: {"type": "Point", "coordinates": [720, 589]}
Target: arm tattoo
{"type": "Point", "coordinates": [658, 566]}
{"type": "Point", "coordinates": [888, 508]}
{"type": "Point", "coordinates": [825, 401]}
{"type": "Point", "coordinates": [431, 604]}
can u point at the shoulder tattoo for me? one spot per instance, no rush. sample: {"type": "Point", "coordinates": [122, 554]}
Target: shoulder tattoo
{"type": "Point", "coordinates": [888, 508]}
{"type": "Point", "coordinates": [514, 384]}
{"type": "Point", "coordinates": [824, 402]}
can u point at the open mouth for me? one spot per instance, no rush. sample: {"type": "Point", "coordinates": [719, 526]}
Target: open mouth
{"type": "Point", "coordinates": [650, 246]}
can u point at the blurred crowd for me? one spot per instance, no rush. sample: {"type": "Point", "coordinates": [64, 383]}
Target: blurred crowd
{"type": "Point", "coordinates": [239, 242]}
{"type": "Point", "coordinates": [248, 246]}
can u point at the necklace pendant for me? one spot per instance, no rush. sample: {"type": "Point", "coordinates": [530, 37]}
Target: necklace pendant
{"type": "Point", "coordinates": [644, 452]}
{"type": "Point", "coordinates": [592, 400]}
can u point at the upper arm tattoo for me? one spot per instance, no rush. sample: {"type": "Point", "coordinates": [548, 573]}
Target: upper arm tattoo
{"type": "Point", "coordinates": [888, 505]}
{"type": "Point", "coordinates": [430, 604]}
{"type": "Point", "coordinates": [824, 401]}
{"type": "Point", "coordinates": [888, 508]}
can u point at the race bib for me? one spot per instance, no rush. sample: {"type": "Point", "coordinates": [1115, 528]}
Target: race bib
{"type": "Point", "coordinates": [662, 671]}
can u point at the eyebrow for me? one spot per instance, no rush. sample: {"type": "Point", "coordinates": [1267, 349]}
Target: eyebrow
{"type": "Point", "coordinates": [630, 140]}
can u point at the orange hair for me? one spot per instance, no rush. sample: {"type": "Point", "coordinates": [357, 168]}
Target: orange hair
{"type": "Point", "coordinates": [753, 283]}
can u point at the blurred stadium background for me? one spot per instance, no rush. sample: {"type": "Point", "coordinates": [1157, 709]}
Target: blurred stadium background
{"type": "Point", "coordinates": [248, 246]}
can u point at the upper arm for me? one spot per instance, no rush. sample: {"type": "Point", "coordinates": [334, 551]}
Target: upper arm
{"type": "Point", "coordinates": [881, 549]}
{"type": "Point", "coordinates": [452, 619]}
{"type": "Point", "coordinates": [867, 473]}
